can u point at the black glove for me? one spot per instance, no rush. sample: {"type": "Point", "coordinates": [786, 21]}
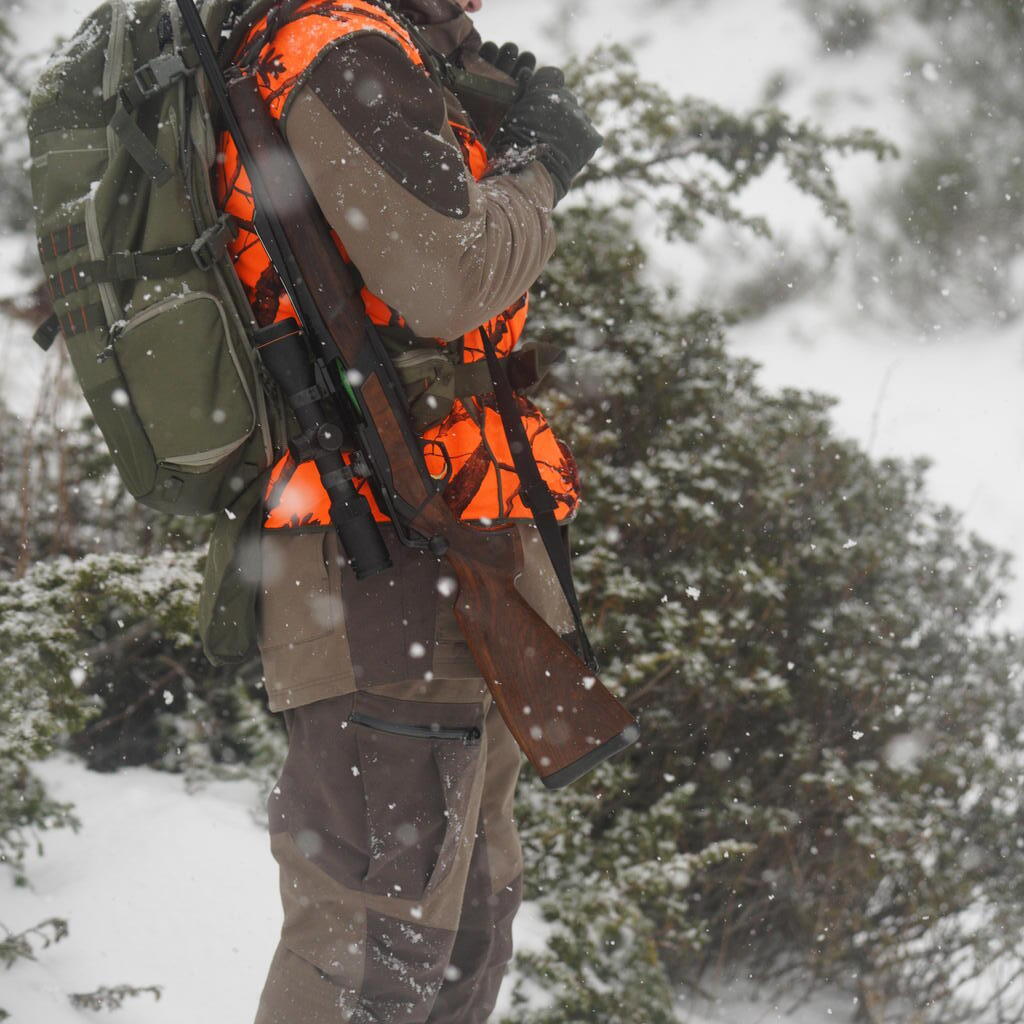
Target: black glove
{"type": "Point", "coordinates": [548, 115]}
{"type": "Point", "coordinates": [509, 61]}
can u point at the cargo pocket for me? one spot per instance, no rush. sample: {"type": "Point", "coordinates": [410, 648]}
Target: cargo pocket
{"type": "Point", "coordinates": [302, 635]}
{"type": "Point", "coordinates": [170, 395]}
{"type": "Point", "coordinates": [418, 763]}
{"type": "Point", "coordinates": [185, 381]}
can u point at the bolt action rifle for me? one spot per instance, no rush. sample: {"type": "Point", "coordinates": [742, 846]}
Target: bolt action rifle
{"type": "Point", "coordinates": [562, 716]}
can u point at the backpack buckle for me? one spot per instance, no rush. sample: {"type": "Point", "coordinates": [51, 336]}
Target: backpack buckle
{"type": "Point", "coordinates": [209, 248]}
{"type": "Point", "coordinates": [159, 74]}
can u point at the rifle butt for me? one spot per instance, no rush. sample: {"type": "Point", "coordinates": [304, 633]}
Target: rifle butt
{"type": "Point", "coordinates": [562, 716]}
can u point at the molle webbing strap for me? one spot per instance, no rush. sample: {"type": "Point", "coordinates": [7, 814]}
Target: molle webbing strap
{"type": "Point", "coordinates": [131, 266]}
{"type": "Point", "coordinates": [59, 243]}
{"type": "Point", "coordinates": [121, 266]}
{"type": "Point", "coordinates": [141, 150]}
{"type": "Point", "coordinates": [151, 79]}
{"type": "Point", "coordinates": [83, 320]}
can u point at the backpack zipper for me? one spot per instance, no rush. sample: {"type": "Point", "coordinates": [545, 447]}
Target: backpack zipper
{"type": "Point", "coordinates": [468, 736]}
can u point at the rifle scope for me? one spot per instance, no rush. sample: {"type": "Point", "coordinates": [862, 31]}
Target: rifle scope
{"type": "Point", "coordinates": [285, 351]}
{"type": "Point", "coordinates": [286, 356]}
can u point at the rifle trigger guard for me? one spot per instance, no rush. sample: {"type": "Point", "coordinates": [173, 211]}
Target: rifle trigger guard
{"type": "Point", "coordinates": [439, 448]}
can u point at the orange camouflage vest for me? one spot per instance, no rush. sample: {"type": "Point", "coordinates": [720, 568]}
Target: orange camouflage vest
{"type": "Point", "coordinates": [483, 484]}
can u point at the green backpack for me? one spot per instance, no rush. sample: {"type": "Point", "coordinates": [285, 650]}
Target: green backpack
{"type": "Point", "coordinates": [134, 251]}
{"type": "Point", "coordinates": [144, 291]}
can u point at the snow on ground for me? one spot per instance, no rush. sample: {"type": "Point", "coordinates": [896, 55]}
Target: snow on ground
{"type": "Point", "coordinates": [160, 887]}
{"type": "Point", "coordinates": [163, 887]}
{"type": "Point", "coordinates": [741, 1002]}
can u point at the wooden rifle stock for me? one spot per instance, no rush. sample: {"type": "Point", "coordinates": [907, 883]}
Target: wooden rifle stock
{"type": "Point", "coordinates": [564, 719]}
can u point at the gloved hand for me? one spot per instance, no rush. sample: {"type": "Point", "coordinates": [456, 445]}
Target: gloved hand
{"type": "Point", "coordinates": [508, 60]}
{"type": "Point", "coordinates": [548, 115]}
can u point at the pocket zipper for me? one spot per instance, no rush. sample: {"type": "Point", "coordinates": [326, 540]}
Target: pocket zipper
{"type": "Point", "coordinates": [467, 735]}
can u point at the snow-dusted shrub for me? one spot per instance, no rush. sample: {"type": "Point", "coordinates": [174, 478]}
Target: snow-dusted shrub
{"type": "Point", "coordinates": [826, 783]}
{"type": "Point", "coordinates": [942, 241]}
{"type": "Point", "coordinates": [682, 164]}
{"type": "Point", "coordinates": [17, 946]}
{"type": "Point", "coordinates": [844, 25]}
{"type": "Point", "coordinates": [40, 702]}
{"type": "Point", "coordinates": [100, 655]}
{"type": "Point", "coordinates": [59, 492]}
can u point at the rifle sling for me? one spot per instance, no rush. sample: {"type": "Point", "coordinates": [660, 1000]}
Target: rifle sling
{"type": "Point", "coordinates": [536, 494]}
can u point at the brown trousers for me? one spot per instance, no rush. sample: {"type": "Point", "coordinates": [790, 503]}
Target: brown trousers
{"type": "Point", "coordinates": [400, 865]}
{"type": "Point", "coordinates": [392, 821]}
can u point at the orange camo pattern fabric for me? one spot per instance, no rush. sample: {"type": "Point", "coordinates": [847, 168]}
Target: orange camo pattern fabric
{"type": "Point", "coordinates": [483, 485]}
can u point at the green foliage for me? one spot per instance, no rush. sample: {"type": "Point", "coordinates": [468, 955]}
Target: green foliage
{"type": "Point", "coordinates": [615, 894]}
{"type": "Point", "coordinates": [942, 232]}
{"type": "Point", "coordinates": [690, 159]}
{"type": "Point", "coordinates": [26, 810]}
{"type": "Point", "coordinates": [39, 704]}
{"type": "Point", "coordinates": [830, 770]}
{"type": "Point", "coordinates": [22, 945]}
{"type": "Point", "coordinates": [59, 492]}
{"type": "Point", "coordinates": [101, 655]}
{"type": "Point", "coordinates": [112, 998]}
{"type": "Point", "coordinates": [808, 640]}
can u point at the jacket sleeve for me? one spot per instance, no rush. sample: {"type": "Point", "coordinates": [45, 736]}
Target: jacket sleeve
{"type": "Point", "coordinates": [371, 134]}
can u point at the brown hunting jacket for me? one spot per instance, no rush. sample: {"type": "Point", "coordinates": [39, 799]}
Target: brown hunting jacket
{"type": "Point", "coordinates": [447, 246]}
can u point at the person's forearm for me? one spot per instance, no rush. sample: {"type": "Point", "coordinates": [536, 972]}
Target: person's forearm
{"type": "Point", "coordinates": [371, 134]}
{"type": "Point", "coordinates": [445, 274]}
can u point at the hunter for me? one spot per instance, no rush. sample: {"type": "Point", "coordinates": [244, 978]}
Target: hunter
{"type": "Point", "coordinates": [392, 820]}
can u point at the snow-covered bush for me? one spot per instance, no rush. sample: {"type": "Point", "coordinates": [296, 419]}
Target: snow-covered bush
{"type": "Point", "coordinates": [942, 237]}
{"type": "Point", "coordinates": [100, 655]}
{"type": "Point", "coordinates": [831, 721]}
{"type": "Point", "coordinates": [59, 492]}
